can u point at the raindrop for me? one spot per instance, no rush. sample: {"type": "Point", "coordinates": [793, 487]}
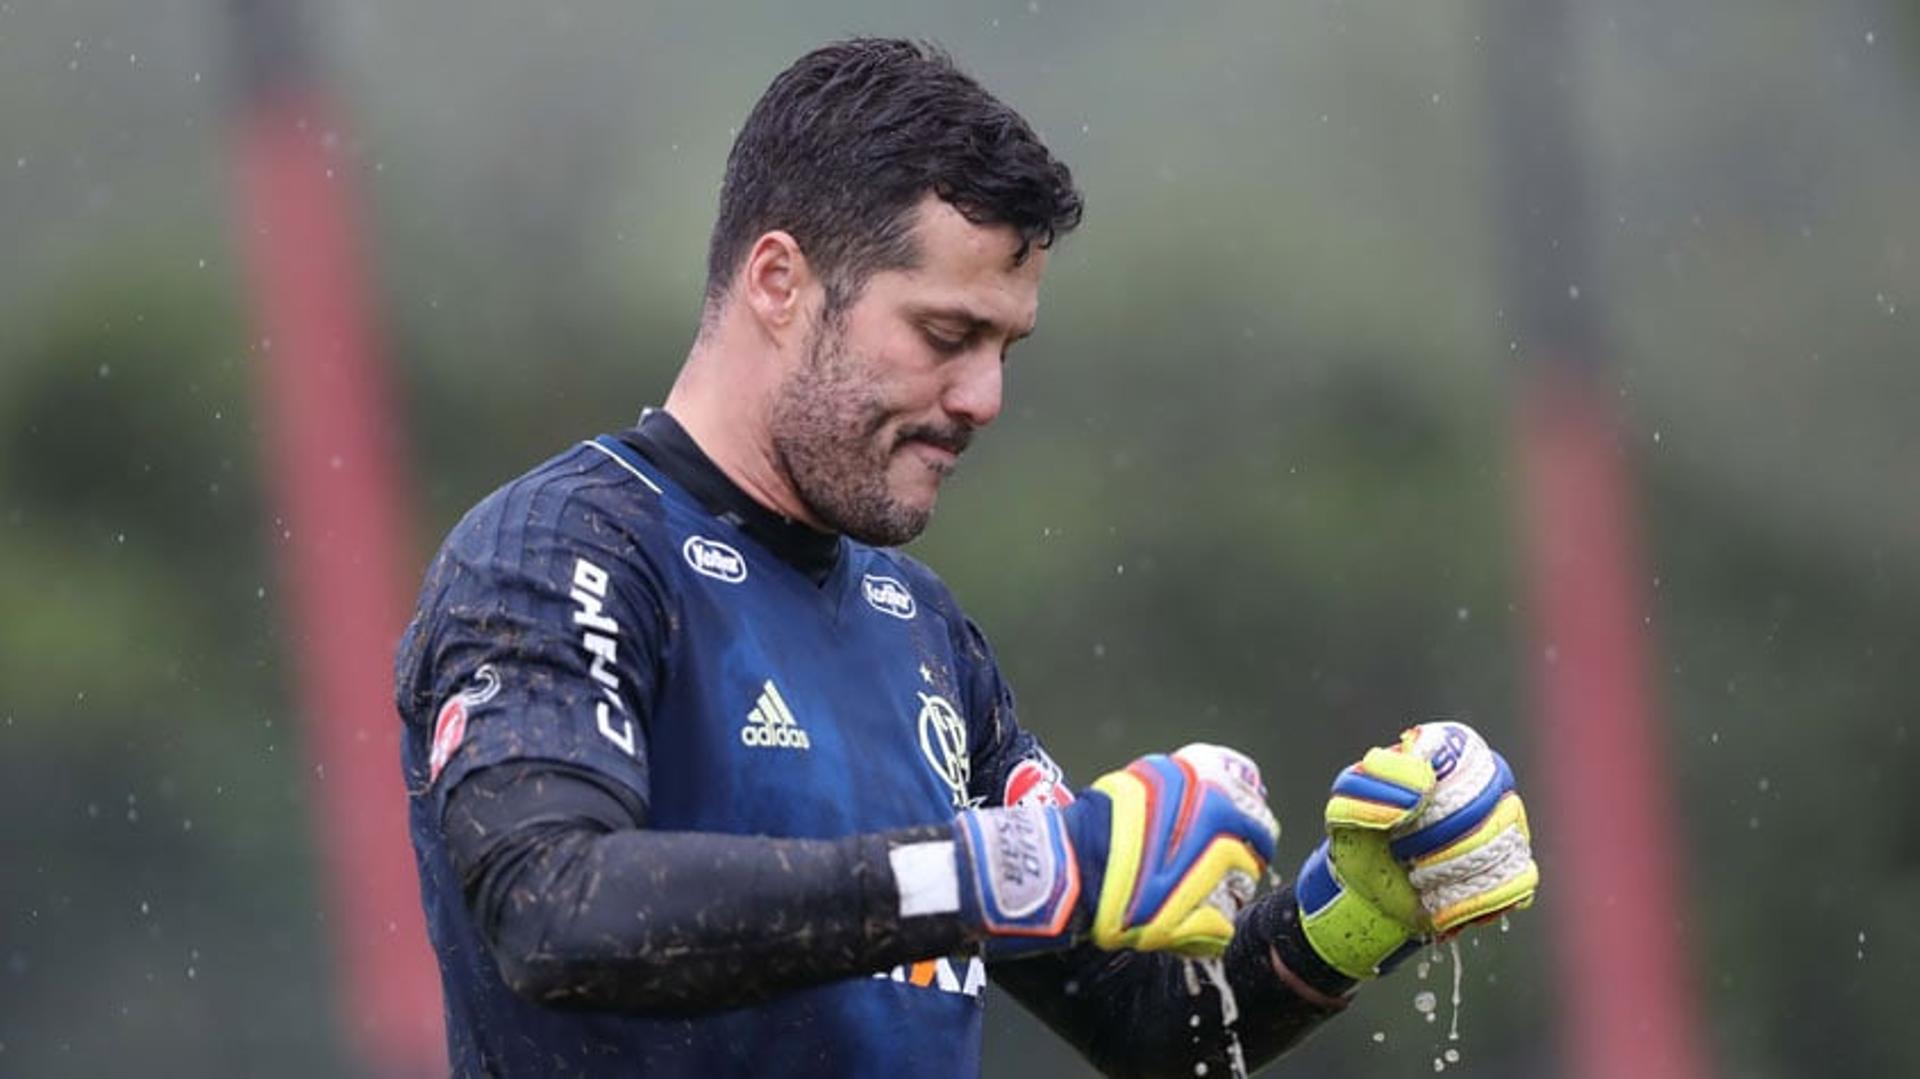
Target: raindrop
{"type": "Point", "coordinates": [1424, 1002]}
{"type": "Point", "coordinates": [1380, 1037]}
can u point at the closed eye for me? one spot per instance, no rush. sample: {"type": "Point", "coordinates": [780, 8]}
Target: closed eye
{"type": "Point", "coordinates": [946, 344]}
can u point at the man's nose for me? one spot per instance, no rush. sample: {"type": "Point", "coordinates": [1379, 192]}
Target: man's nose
{"type": "Point", "coordinates": [973, 395]}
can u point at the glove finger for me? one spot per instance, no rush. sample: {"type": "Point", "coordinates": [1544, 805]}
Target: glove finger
{"type": "Point", "coordinates": [1482, 905]}
{"type": "Point", "coordinates": [1194, 923]}
{"type": "Point", "coordinates": [1204, 934]}
{"type": "Point", "coordinates": [1173, 919]}
{"type": "Point", "coordinates": [1385, 790]}
{"type": "Point", "coordinates": [1457, 809]}
{"type": "Point", "coordinates": [1174, 805]}
{"type": "Point", "coordinates": [1260, 834]}
{"type": "Point", "coordinates": [1205, 807]}
{"type": "Point", "coordinates": [1488, 870]}
{"type": "Point", "coordinates": [1234, 775]}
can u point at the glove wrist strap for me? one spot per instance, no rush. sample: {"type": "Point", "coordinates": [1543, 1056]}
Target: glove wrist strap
{"type": "Point", "coordinates": [1020, 876]}
{"type": "Point", "coordinates": [1352, 935]}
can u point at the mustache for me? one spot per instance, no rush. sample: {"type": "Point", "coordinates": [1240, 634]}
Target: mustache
{"type": "Point", "coordinates": [954, 439]}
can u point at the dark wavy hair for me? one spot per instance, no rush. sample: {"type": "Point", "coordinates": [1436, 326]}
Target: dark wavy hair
{"type": "Point", "coordinates": [844, 145]}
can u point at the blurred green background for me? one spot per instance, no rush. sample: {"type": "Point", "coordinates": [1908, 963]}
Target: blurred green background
{"type": "Point", "coordinates": [1255, 482]}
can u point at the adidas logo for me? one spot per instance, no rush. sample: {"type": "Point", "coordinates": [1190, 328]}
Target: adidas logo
{"type": "Point", "coordinates": [771, 724]}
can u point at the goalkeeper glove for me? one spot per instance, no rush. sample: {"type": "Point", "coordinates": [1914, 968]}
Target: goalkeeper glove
{"type": "Point", "coordinates": [1157, 856]}
{"type": "Point", "coordinates": [1424, 838]}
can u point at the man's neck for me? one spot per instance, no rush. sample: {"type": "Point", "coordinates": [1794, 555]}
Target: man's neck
{"type": "Point", "coordinates": [727, 418]}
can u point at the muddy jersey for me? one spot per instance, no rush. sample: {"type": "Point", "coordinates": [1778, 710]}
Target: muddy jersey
{"type": "Point", "coordinates": [625, 610]}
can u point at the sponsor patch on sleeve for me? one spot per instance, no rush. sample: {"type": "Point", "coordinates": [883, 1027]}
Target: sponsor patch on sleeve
{"type": "Point", "coordinates": [1036, 781]}
{"type": "Point", "coordinates": [450, 727]}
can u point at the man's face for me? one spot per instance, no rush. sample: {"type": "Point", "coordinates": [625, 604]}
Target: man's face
{"type": "Point", "coordinates": [888, 394]}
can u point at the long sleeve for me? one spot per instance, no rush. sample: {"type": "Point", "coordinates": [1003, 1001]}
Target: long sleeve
{"type": "Point", "coordinates": [584, 908]}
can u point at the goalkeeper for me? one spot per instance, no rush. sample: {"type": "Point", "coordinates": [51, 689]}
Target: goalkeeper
{"type": "Point", "coordinates": [708, 779]}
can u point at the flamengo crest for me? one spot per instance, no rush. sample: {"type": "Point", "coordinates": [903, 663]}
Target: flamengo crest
{"type": "Point", "coordinates": [943, 741]}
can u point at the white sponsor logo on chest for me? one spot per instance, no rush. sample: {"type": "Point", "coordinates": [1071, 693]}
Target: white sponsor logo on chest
{"type": "Point", "coordinates": [888, 596]}
{"type": "Point", "coordinates": [714, 559]}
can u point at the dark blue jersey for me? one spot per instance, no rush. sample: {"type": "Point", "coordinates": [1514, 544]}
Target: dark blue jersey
{"type": "Point", "coordinates": [624, 611]}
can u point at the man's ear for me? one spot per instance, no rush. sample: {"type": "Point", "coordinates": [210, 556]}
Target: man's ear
{"type": "Point", "coordinates": [779, 285]}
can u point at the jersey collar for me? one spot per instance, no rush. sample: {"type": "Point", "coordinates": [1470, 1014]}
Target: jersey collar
{"type": "Point", "coordinates": [660, 439]}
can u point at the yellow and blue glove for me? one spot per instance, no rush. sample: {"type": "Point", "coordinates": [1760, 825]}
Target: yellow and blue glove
{"type": "Point", "coordinates": [1424, 838]}
{"type": "Point", "coordinates": [1157, 856]}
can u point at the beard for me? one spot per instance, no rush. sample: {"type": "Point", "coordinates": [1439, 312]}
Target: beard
{"type": "Point", "coordinates": [828, 423]}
